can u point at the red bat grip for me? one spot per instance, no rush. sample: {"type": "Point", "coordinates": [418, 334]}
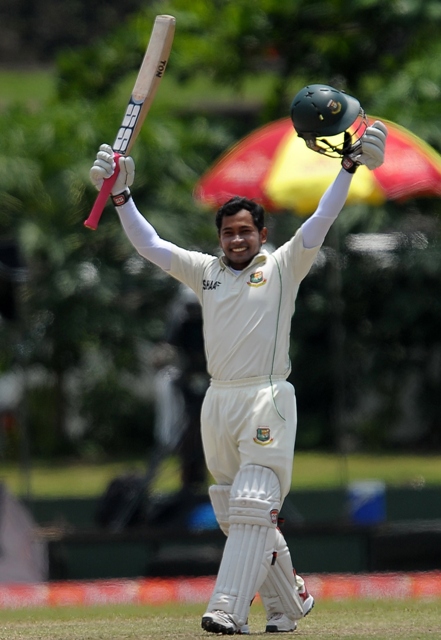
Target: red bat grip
{"type": "Point", "coordinates": [97, 209]}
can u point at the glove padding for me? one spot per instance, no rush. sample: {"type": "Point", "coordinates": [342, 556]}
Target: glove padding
{"type": "Point", "coordinates": [104, 166]}
{"type": "Point", "coordinates": [369, 150]}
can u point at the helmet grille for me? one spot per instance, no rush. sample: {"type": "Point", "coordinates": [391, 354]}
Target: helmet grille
{"type": "Point", "coordinates": [340, 144]}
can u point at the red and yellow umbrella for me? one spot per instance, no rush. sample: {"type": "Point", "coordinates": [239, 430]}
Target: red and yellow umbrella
{"type": "Point", "coordinates": [274, 166]}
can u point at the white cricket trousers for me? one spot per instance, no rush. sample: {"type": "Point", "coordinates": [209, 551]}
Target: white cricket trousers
{"type": "Point", "coordinates": [250, 421]}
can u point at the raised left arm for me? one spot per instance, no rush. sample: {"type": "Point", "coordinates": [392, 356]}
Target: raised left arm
{"type": "Point", "coordinates": [369, 150]}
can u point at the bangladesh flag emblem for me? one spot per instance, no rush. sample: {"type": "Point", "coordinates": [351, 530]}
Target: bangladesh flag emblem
{"type": "Point", "coordinates": [263, 436]}
{"type": "Point", "coordinates": [256, 279]}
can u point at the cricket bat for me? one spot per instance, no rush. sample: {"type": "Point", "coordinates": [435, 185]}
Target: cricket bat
{"type": "Point", "coordinates": [149, 76]}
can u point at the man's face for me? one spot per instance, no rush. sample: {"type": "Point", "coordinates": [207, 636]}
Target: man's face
{"type": "Point", "coordinates": [240, 239]}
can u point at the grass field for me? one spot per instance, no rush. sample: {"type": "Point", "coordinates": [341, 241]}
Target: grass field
{"type": "Point", "coordinates": [352, 620]}
{"type": "Point", "coordinates": [26, 85]}
{"type": "Point", "coordinates": [38, 85]}
{"type": "Point", "coordinates": [311, 471]}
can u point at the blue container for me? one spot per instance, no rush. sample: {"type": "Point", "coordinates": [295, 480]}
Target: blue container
{"type": "Point", "coordinates": [202, 518]}
{"type": "Point", "coordinates": [367, 501]}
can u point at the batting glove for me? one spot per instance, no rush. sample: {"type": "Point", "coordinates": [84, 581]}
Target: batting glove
{"type": "Point", "coordinates": [104, 166]}
{"type": "Point", "coordinates": [369, 150]}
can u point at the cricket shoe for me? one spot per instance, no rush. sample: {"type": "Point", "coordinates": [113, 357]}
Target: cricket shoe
{"type": "Point", "coordinates": [219, 622]}
{"type": "Point", "coordinates": [280, 623]}
{"type": "Point", "coordinates": [307, 600]}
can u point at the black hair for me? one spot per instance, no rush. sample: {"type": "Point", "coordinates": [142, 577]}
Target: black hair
{"type": "Point", "coordinates": [236, 204]}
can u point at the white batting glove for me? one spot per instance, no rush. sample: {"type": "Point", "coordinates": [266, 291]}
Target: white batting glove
{"type": "Point", "coordinates": [104, 166]}
{"type": "Point", "coordinates": [369, 150]}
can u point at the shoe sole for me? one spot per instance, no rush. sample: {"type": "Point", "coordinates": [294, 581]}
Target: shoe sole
{"type": "Point", "coordinates": [272, 628]}
{"type": "Point", "coordinates": [214, 627]}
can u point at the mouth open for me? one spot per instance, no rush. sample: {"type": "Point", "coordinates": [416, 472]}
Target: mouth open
{"type": "Point", "coordinates": [239, 249]}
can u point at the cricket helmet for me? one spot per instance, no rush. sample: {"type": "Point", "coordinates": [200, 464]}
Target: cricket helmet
{"type": "Point", "coordinates": [319, 110]}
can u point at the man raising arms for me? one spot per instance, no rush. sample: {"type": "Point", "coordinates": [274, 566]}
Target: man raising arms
{"type": "Point", "coordinates": [249, 416]}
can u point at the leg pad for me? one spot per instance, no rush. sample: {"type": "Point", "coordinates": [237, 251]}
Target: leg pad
{"type": "Point", "coordinates": [253, 509]}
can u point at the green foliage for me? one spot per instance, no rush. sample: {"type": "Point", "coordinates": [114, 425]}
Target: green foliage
{"type": "Point", "coordinates": [37, 29]}
{"type": "Point", "coordinates": [89, 302]}
{"type": "Point", "coordinates": [387, 363]}
{"type": "Point", "coordinates": [348, 45]}
{"type": "Point", "coordinates": [93, 71]}
{"type": "Point", "coordinates": [122, 422]}
{"type": "Point", "coordinates": [88, 299]}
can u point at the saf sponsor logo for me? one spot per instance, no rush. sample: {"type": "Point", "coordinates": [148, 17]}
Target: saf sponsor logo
{"type": "Point", "coordinates": [210, 285]}
{"type": "Point", "coordinates": [263, 436]}
{"type": "Point", "coordinates": [256, 279]}
{"type": "Point", "coordinates": [274, 515]}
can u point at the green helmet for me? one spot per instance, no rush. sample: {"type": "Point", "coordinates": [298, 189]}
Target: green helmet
{"type": "Point", "coordinates": [320, 110]}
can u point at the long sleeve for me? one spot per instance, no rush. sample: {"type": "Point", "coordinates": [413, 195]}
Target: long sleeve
{"type": "Point", "coordinates": [144, 237]}
{"type": "Point", "coordinates": [314, 229]}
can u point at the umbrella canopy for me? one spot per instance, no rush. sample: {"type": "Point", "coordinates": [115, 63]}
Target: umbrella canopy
{"type": "Point", "coordinates": [274, 166]}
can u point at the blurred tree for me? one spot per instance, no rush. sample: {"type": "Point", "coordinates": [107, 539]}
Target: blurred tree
{"type": "Point", "coordinates": [361, 47]}
{"type": "Point", "coordinates": [389, 313]}
{"type": "Point", "coordinates": [38, 29]}
{"type": "Point", "coordinates": [82, 287]}
{"type": "Point", "coordinates": [88, 302]}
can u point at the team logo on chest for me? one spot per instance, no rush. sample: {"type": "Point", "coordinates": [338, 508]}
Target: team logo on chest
{"type": "Point", "coordinates": [256, 279]}
{"type": "Point", "coordinates": [263, 436]}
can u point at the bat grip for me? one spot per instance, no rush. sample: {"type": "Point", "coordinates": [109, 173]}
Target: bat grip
{"type": "Point", "coordinates": [100, 202]}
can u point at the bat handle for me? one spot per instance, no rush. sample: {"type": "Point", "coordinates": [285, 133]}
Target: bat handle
{"type": "Point", "coordinates": [98, 207]}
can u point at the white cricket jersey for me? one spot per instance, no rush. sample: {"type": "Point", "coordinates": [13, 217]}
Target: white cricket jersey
{"type": "Point", "coordinates": [247, 315]}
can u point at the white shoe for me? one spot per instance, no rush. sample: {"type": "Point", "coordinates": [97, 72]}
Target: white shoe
{"type": "Point", "coordinates": [308, 601]}
{"type": "Point", "coordinates": [280, 623]}
{"type": "Point", "coordinates": [219, 622]}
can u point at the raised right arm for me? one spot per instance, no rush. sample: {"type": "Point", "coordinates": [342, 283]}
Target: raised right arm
{"type": "Point", "coordinates": [144, 237]}
{"type": "Point", "coordinates": [138, 230]}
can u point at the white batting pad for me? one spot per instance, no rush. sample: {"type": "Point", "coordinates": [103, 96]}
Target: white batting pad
{"type": "Point", "coordinates": [279, 591]}
{"type": "Point", "coordinates": [253, 507]}
{"type": "Point", "coordinates": [220, 501]}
